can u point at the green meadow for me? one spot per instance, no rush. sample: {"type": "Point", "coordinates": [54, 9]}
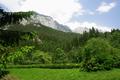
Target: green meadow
{"type": "Point", "coordinates": [63, 74]}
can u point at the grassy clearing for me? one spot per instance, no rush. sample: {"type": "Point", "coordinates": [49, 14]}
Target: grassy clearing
{"type": "Point", "coordinates": [64, 74]}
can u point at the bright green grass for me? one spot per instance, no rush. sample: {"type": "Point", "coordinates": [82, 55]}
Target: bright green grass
{"type": "Point", "coordinates": [64, 74]}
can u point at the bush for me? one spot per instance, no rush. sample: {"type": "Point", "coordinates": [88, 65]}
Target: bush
{"type": "Point", "coordinates": [60, 57]}
{"type": "Point", "coordinates": [116, 57]}
{"type": "Point", "coordinates": [42, 57]}
{"type": "Point", "coordinates": [50, 66]}
{"type": "Point", "coordinates": [96, 55]}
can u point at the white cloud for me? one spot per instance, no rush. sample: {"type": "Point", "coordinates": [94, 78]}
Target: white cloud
{"type": "Point", "coordinates": [89, 25]}
{"type": "Point", "coordinates": [13, 5]}
{"type": "Point", "coordinates": [60, 10]}
{"type": "Point", "coordinates": [105, 7]}
{"type": "Point", "coordinates": [20, 2]}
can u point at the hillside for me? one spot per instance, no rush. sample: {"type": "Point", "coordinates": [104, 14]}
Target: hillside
{"type": "Point", "coordinates": [48, 36]}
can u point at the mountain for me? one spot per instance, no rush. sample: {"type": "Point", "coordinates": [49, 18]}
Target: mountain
{"type": "Point", "coordinates": [36, 18]}
{"type": "Point", "coordinates": [30, 17]}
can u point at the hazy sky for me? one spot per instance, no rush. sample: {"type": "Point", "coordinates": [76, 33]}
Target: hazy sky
{"type": "Point", "coordinates": [102, 14]}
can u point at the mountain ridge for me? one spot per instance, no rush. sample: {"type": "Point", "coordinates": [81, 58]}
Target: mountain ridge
{"type": "Point", "coordinates": [37, 18]}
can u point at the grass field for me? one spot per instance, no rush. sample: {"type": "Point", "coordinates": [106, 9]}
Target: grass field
{"type": "Point", "coordinates": [64, 74]}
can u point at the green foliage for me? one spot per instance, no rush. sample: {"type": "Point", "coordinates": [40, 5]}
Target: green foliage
{"type": "Point", "coordinates": [116, 57]}
{"type": "Point", "coordinates": [96, 55]}
{"type": "Point", "coordinates": [18, 56]}
{"type": "Point", "coordinates": [41, 57]}
{"type": "Point", "coordinates": [60, 56]}
{"type": "Point", "coordinates": [74, 56]}
{"type": "Point", "coordinates": [3, 60]}
{"type": "Point", "coordinates": [3, 56]}
{"type": "Point", "coordinates": [15, 38]}
{"type": "Point", "coordinates": [115, 38]}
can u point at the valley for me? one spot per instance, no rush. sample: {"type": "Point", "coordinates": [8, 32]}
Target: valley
{"type": "Point", "coordinates": [36, 47]}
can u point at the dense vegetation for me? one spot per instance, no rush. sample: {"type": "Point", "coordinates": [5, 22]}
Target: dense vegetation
{"type": "Point", "coordinates": [30, 44]}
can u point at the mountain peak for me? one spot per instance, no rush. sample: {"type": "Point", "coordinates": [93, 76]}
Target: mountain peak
{"type": "Point", "coordinates": [37, 18]}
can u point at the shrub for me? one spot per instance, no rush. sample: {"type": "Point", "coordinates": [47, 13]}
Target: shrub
{"type": "Point", "coordinates": [96, 55]}
{"type": "Point", "coordinates": [60, 56]}
{"type": "Point", "coordinates": [116, 57]}
{"type": "Point", "coordinates": [50, 66]}
{"type": "Point", "coordinates": [41, 57]}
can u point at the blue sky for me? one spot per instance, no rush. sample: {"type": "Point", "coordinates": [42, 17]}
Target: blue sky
{"type": "Point", "coordinates": [110, 18]}
{"type": "Point", "coordinates": [102, 14]}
